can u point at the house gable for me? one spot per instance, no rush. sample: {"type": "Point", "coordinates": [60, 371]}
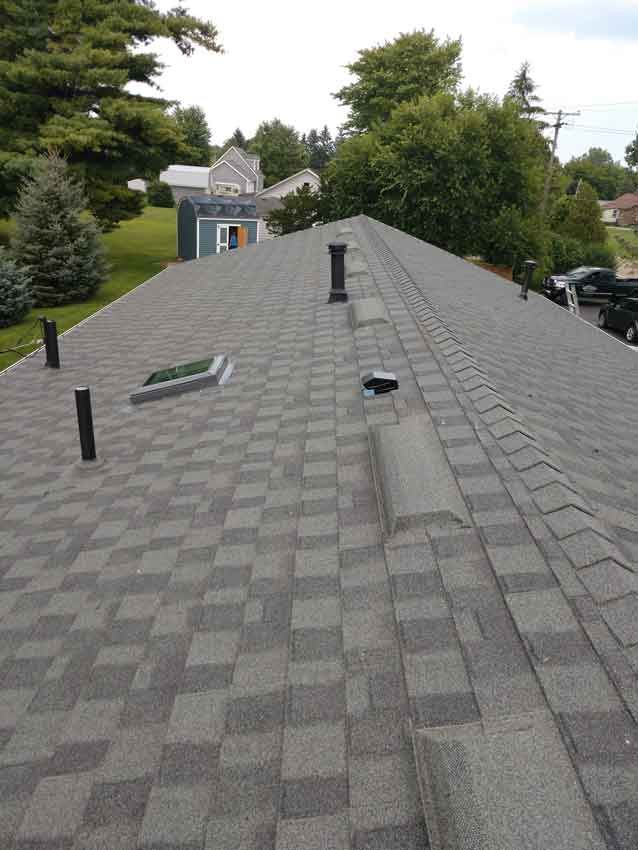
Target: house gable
{"type": "Point", "coordinates": [225, 171]}
{"type": "Point", "coordinates": [290, 184]}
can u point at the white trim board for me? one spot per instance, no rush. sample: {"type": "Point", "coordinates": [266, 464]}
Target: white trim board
{"type": "Point", "coordinates": [286, 179]}
{"type": "Point", "coordinates": [237, 151]}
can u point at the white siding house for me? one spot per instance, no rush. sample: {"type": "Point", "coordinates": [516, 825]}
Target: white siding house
{"type": "Point", "coordinates": [305, 177]}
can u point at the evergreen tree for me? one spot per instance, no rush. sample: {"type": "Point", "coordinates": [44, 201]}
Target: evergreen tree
{"type": "Point", "coordinates": [311, 143]}
{"type": "Point", "coordinates": [299, 210]}
{"type": "Point", "coordinates": [159, 194]}
{"type": "Point", "coordinates": [327, 145]}
{"type": "Point", "coordinates": [191, 120]}
{"type": "Point", "coordinates": [320, 148]}
{"type": "Point", "coordinates": [56, 245]}
{"type": "Point", "coordinates": [15, 292]}
{"type": "Point", "coordinates": [237, 140]}
{"type": "Point", "coordinates": [65, 74]}
{"type": "Point", "coordinates": [279, 147]}
{"type": "Point", "coordinates": [631, 153]}
{"type": "Point", "coordinates": [522, 91]}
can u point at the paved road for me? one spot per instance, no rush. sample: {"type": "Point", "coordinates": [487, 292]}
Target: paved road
{"type": "Point", "coordinates": [589, 312]}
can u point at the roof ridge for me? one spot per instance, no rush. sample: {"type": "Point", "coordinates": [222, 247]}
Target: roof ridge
{"type": "Point", "coordinates": [589, 549]}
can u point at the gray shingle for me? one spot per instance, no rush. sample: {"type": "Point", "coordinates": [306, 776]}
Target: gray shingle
{"type": "Point", "coordinates": [201, 610]}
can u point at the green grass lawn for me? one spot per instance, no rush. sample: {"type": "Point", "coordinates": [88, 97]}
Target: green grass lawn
{"type": "Point", "coordinates": [625, 241]}
{"type": "Point", "coordinates": [137, 250]}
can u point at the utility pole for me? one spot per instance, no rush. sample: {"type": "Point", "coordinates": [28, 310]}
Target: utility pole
{"type": "Point", "coordinates": [560, 115]}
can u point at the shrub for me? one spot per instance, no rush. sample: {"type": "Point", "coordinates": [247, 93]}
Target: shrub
{"type": "Point", "coordinates": [56, 245]}
{"type": "Point", "coordinates": [512, 239]}
{"type": "Point", "coordinates": [566, 253]}
{"type": "Point", "coordinates": [159, 194]}
{"type": "Point", "coordinates": [15, 292]}
{"type": "Point", "coordinates": [595, 254]}
{"type": "Point", "coordinates": [579, 216]}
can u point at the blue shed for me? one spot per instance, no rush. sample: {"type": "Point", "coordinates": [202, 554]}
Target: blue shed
{"type": "Point", "coordinates": [211, 224]}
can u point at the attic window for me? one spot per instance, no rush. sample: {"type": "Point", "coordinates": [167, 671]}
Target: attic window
{"type": "Point", "coordinates": [183, 378]}
{"type": "Point", "coordinates": [227, 188]}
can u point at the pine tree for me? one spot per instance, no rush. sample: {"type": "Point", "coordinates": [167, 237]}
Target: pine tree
{"type": "Point", "coordinates": [522, 91]}
{"type": "Point", "coordinates": [299, 210]}
{"type": "Point", "coordinates": [320, 148]}
{"type": "Point", "coordinates": [65, 73]}
{"type": "Point", "coordinates": [15, 292]}
{"type": "Point", "coordinates": [237, 140]}
{"type": "Point", "coordinates": [328, 145]}
{"type": "Point", "coordinates": [56, 245]}
{"type": "Point", "coordinates": [160, 194]}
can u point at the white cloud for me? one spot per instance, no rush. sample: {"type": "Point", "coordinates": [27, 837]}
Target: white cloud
{"type": "Point", "coordinates": [284, 59]}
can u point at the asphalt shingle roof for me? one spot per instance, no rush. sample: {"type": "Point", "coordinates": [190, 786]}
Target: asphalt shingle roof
{"type": "Point", "coordinates": [206, 639]}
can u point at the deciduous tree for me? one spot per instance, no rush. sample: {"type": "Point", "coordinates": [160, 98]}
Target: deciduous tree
{"type": "Point", "coordinates": [442, 168]}
{"type": "Point", "coordinates": [280, 150]}
{"type": "Point", "coordinates": [191, 120]}
{"type": "Point", "coordinates": [578, 216]}
{"type": "Point", "coordinates": [598, 168]}
{"type": "Point", "coordinates": [399, 71]}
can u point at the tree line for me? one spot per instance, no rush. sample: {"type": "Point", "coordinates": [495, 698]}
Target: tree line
{"type": "Point", "coordinates": [458, 168]}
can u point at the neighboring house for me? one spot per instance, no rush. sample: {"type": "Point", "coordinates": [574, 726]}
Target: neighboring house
{"type": "Point", "coordinates": [235, 174]}
{"type": "Point", "coordinates": [305, 177]}
{"type": "Point", "coordinates": [183, 180]}
{"type": "Point", "coordinates": [270, 199]}
{"type": "Point", "coordinates": [608, 212]}
{"type": "Point", "coordinates": [276, 612]}
{"type": "Point", "coordinates": [623, 211]}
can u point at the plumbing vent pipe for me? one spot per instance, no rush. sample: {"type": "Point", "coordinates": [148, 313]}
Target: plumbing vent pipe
{"type": "Point", "coordinates": [337, 272]}
{"type": "Point", "coordinates": [530, 267]}
{"type": "Point", "coordinates": [50, 337]}
{"type": "Point", "coordinates": [85, 422]}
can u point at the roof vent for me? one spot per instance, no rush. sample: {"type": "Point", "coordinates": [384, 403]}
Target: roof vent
{"type": "Point", "coordinates": [183, 378]}
{"type": "Point", "coordinates": [378, 383]}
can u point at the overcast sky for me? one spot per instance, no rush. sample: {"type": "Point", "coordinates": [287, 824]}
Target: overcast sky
{"type": "Point", "coordinates": [284, 58]}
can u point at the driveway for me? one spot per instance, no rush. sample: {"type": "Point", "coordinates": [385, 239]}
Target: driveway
{"type": "Point", "coordinates": [589, 312]}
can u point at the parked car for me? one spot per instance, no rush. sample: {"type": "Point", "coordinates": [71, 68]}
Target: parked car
{"type": "Point", "coordinates": [621, 314]}
{"type": "Point", "coordinates": [590, 282]}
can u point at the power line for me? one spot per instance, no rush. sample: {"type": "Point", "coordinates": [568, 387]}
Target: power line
{"type": "Point", "coordinates": [560, 122]}
{"type": "Point", "coordinates": [603, 129]}
{"type": "Point", "coordinates": [618, 103]}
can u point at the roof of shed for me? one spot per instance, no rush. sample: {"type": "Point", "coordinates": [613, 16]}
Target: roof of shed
{"type": "Point", "coordinates": [216, 206]}
{"type": "Point", "coordinates": [230, 630]}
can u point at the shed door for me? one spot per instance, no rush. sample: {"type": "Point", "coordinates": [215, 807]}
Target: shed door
{"type": "Point", "coordinates": [222, 238]}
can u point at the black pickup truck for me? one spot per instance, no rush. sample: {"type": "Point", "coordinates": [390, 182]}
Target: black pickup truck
{"type": "Point", "coordinates": [590, 282]}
